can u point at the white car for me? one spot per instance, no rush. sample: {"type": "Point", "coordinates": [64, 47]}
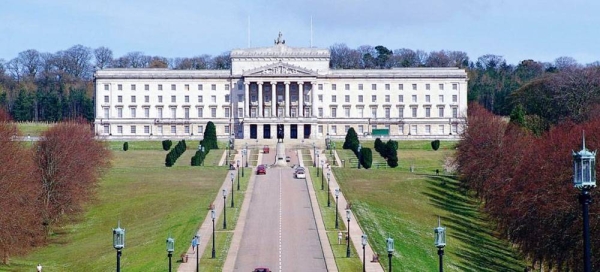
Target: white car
{"type": "Point", "coordinates": [300, 174]}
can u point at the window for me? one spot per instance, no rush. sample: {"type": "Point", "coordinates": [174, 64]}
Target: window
{"type": "Point", "coordinates": [361, 112]}
{"type": "Point", "coordinates": [413, 129]}
{"type": "Point", "coordinates": [400, 112]}
{"type": "Point", "coordinates": [454, 98]}
{"type": "Point", "coordinates": [173, 99]}
{"type": "Point", "coordinates": [226, 111]}
{"type": "Point", "coordinates": [427, 98]}
{"type": "Point", "coordinates": [160, 129]}
{"type": "Point", "coordinates": [427, 129]}
{"type": "Point", "coordinates": [333, 87]}
{"type": "Point", "coordinates": [213, 112]}
{"type": "Point", "coordinates": [227, 131]}
{"type": "Point", "coordinates": [200, 129]}
{"type": "Point", "coordinates": [199, 87]}
{"type": "Point", "coordinates": [106, 99]}
{"type": "Point", "coordinates": [186, 99]}
{"type": "Point", "coordinates": [333, 99]}
{"type": "Point", "coordinates": [106, 87]}
{"type": "Point", "coordinates": [120, 87]}
{"type": "Point", "coordinates": [146, 87]}
{"type": "Point", "coordinates": [454, 112]}
{"type": "Point", "coordinates": [441, 98]}
{"type": "Point", "coordinates": [106, 129]}
{"type": "Point", "coordinates": [213, 87]}
{"type": "Point", "coordinates": [199, 99]}
{"type": "Point", "coordinates": [401, 98]}
{"type": "Point", "coordinates": [454, 86]}
{"type": "Point", "coordinates": [373, 98]}
{"type": "Point", "coordinates": [173, 129]}
{"type": "Point", "coordinates": [106, 112]}
{"type": "Point", "coordinates": [334, 130]}
{"type": "Point", "coordinates": [320, 112]}
{"type": "Point", "coordinates": [186, 129]}
{"type": "Point", "coordinates": [146, 129]}
{"type": "Point", "coordinates": [227, 87]}
{"type": "Point", "coordinates": [320, 129]}
{"type": "Point", "coordinates": [239, 86]}
{"type": "Point", "coordinates": [120, 99]}
{"type": "Point", "coordinates": [454, 128]}
{"type": "Point", "coordinates": [374, 87]}
{"type": "Point", "coordinates": [186, 87]}
{"type": "Point", "coordinates": [387, 87]}
{"type": "Point", "coordinates": [387, 98]}
{"type": "Point", "coordinates": [347, 87]}
{"type": "Point", "coordinates": [186, 113]}
{"type": "Point", "coordinates": [133, 99]}
{"type": "Point", "coordinates": [160, 87]}
{"type": "Point", "coordinates": [414, 87]}
{"type": "Point", "coordinates": [401, 129]}
{"type": "Point", "coordinates": [133, 87]}
{"type": "Point", "coordinates": [132, 129]}
{"type": "Point", "coordinates": [373, 112]}
{"type": "Point", "coordinates": [346, 128]}
{"type": "Point", "coordinates": [320, 98]}
{"type": "Point", "coordinates": [147, 112]}
{"type": "Point", "coordinates": [361, 129]}
{"type": "Point", "coordinates": [160, 99]}
{"type": "Point", "coordinates": [441, 129]}
{"type": "Point", "coordinates": [428, 86]}
{"type": "Point", "coordinates": [173, 112]}
{"type": "Point", "coordinates": [320, 87]}
{"type": "Point", "coordinates": [347, 98]}
{"type": "Point", "coordinates": [334, 112]}
{"type": "Point", "coordinates": [120, 112]}
{"type": "Point", "coordinates": [440, 112]}
{"type": "Point", "coordinates": [146, 99]}
{"type": "Point", "coordinates": [427, 112]}
{"type": "Point", "coordinates": [240, 112]}
{"type": "Point", "coordinates": [120, 129]}
{"type": "Point", "coordinates": [200, 110]}
{"type": "Point", "coordinates": [213, 98]}
{"type": "Point", "coordinates": [241, 98]}
{"type": "Point", "coordinates": [360, 87]}
{"type": "Point", "coordinates": [401, 87]}
{"type": "Point", "coordinates": [441, 86]}
{"type": "Point", "coordinates": [227, 98]}
{"type": "Point", "coordinates": [346, 111]}
{"type": "Point", "coordinates": [414, 98]}
{"type": "Point", "coordinates": [159, 112]}
{"type": "Point", "coordinates": [173, 87]}
{"type": "Point", "coordinates": [360, 98]}
{"type": "Point", "coordinates": [414, 111]}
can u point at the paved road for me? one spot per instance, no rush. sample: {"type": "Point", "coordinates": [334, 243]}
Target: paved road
{"type": "Point", "coordinates": [280, 231]}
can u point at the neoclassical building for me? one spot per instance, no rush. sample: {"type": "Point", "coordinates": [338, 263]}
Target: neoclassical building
{"type": "Point", "coordinates": [281, 87]}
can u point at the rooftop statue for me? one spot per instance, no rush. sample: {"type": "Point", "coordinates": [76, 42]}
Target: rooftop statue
{"type": "Point", "coordinates": [279, 39]}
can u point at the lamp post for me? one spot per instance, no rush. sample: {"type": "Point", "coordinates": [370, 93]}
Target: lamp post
{"type": "Point", "coordinates": [197, 238]}
{"type": "Point", "coordinates": [232, 190]}
{"type": "Point", "coordinates": [224, 210]}
{"type": "Point", "coordinates": [390, 249]}
{"type": "Point", "coordinates": [314, 155]}
{"type": "Point", "coordinates": [238, 174]}
{"type": "Point", "coordinates": [213, 215]}
{"type": "Point", "coordinates": [440, 242]}
{"type": "Point", "coordinates": [337, 193]}
{"type": "Point", "coordinates": [317, 164]}
{"type": "Point", "coordinates": [348, 216]}
{"type": "Point", "coordinates": [202, 150]}
{"type": "Point", "coordinates": [119, 243]}
{"type": "Point", "coordinates": [244, 155]}
{"type": "Point", "coordinates": [584, 179]}
{"type": "Point", "coordinates": [170, 249]}
{"type": "Point", "coordinates": [322, 178]}
{"type": "Point", "coordinates": [358, 152]}
{"type": "Point", "coordinates": [328, 190]}
{"type": "Point", "coordinates": [364, 243]}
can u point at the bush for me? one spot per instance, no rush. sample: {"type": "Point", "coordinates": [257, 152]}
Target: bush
{"type": "Point", "coordinates": [351, 141]}
{"type": "Point", "coordinates": [166, 144]}
{"type": "Point", "coordinates": [378, 145]}
{"type": "Point", "coordinates": [435, 145]}
{"type": "Point", "coordinates": [125, 146]}
{"type": "Point", "coordinates": [393, 162]}
{"type": "Point", "coordinates": [366, 157]}
{"type": "Point", "coordinates": [394, 144]}
{"type": "Point", "coordinates": [210, 136]}
{"type": "Point", "coordinates": [175, 153]}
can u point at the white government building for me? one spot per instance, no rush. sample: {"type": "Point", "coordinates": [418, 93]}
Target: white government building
{"type": "Point", "coordinates": [281, 87]}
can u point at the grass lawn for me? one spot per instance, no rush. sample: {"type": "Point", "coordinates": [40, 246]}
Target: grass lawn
{"type": "Point", "coordinates": [33, 128]}
{"type": "Point", "coordinates": [151, 201]}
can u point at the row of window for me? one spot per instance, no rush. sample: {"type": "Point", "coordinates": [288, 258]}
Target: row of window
{"type": "Point", "coordinates": [387, 86]}
{"type": "Point", "coordinates": [186, 87]}
{"type": "Point", "coordinates": [186, 99]}
{"type": "Point", "coordinates": [387, 112]}
{"type": "Point", "coordinates": [387, 98]}
{"type": "Point", "coordinates": [159, 112]}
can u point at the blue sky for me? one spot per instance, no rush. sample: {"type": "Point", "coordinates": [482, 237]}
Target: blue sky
{"type": "Point", "coordinates": [514, 29]}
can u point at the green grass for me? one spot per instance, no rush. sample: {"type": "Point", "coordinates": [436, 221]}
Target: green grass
{"type": "Point", "coordinates": [151, 201]}
{"type": "Point", "coordinates": [33, 128]}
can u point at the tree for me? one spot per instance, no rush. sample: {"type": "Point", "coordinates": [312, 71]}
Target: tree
{"type": "Point", "coordinates": [104, 57]}
{"type": "Point", "coordinates": [210, 136]}
{"type": "Point", "coordinates": [378, 145]}
{"type": "Point", "coordinates": [435, 145]}
{"type": "Point", "coordinates": [366, 157]}
{"type": "Point", "coordinates": [383, 55]}
{"type": "Point", "coordinates": [351, 142]}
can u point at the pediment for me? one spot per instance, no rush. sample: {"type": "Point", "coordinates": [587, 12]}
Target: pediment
{"type": "Point", "coordinates": [280, 69]}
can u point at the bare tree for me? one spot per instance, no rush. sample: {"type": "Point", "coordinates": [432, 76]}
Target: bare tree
{"type": "Point", "coordinates": [104, 57]}
{"type": "Point", "coordinates": [404, 58]}
{"type": "Point", "coordinates": [438, 59]}
{"type": "Point", "coordinates": [221, 62]}
{"type": "Point", "coordinates": [30, 60]}
{"type": "Point", "coordinates": [368, 54]}
{"type": "Point", "coordinates": [566, 63]}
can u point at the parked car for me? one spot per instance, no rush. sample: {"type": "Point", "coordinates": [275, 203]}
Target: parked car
{"type": "Point", "coordinates": [288, 159]}
{"type": "Point", "coordinates": [261, 170]}
{"type": "Point", "coordinates": [300, 174]}
{"type": "Point", "coordinates": [261, 269]}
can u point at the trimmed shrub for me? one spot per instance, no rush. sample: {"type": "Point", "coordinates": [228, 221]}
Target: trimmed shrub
{"type": "Point", "coordinates": [166, 144]}
{"type": "Point", "coordinates": [210, 136]}
{"type": "Point", "coordinates": [394, 144]}
{"type": "Point", "coordinates": [366, 157]}
{"type": "Point", "coordinates": [351, 141]}
{"type": "Point", "coordinates": [125, 146]}
{"type": "Point", "coordinates": [435, 145]}
{"type": "Point", "coordinates": [379, 146]}
{"type": "Point", "coordinates": [393, 162]}
{"type": "Point", "coordinates": [175, 153]}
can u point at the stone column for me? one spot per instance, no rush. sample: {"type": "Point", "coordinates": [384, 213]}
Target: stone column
{"type": "Point", "coordinates": [286, 112]}
{"type": "Point", "coordinates": [301, 98]}
{"type": "Point", "coordinates": [246, 98]}
{"type": "Point", "coordinates": [260, 99]}
{"type": "Point", "coordinates": [273, 99]}
{"type": "Point", "coordinates": [313, 98]}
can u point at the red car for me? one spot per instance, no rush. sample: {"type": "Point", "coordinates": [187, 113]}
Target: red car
{"type": "Point", "coordinates": [261, 170]}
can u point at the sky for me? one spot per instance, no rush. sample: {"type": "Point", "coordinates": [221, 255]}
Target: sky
{"type": "Point", "coordinates": [542, 30]}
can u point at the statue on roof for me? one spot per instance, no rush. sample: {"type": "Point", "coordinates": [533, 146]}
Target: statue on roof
{"type": "Point", "coordinates": [279, 39]}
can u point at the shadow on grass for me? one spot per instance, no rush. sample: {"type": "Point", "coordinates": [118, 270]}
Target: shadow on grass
{"type": "Point", "coordinates": [482, 251]}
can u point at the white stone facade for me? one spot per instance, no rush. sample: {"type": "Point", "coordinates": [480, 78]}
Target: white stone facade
{"type": "Point", "coordinates": [312, 100]}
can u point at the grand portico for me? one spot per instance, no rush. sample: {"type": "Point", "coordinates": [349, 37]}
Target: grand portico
{"type": "Point", "coordinates": [280, 87]}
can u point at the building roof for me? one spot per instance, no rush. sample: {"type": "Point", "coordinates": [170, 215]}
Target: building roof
{"type": "Point", "coordinates": [280, 50]}
{"type": "Point", "coordinates": [150, 73]}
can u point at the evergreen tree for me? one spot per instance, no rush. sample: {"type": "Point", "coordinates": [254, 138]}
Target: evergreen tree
{"type": "Point", "coordinates": [351, 141]}
{"type": "Point", "coordinates": [366, 157]}
{"type": "Point", "coordinates": [435, 144]}
{"type": "Point", "coordinates": [210, 136]}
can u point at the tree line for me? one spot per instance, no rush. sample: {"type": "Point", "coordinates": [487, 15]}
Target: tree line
{"type": "Point", "coordinates": [46, 184]}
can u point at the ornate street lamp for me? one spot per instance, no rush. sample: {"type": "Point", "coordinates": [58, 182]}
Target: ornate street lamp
{"type": "Point", "coordinates": [348, 216]}
{"type": "Point", "coordinates": [170, 249]}
{"type": "Point", "coordinates": [440, 242]}
{"type": "Point", "coordinates": [224, 210]}
{"type": "Point", "coordinates": [328, 190]}
{"type": "Point", "coordinates": [364, 243]}
{"type": "Point", "coordinates": [337, 193]}
{"type": "Point", "coordinates": [322, 178]}
{"type": "Point", "coordinates": [213, 215]}
{"type": "Point", "coordinates": [314, 155]}
{"type": "Point", "coordinates": [197, 238]}
{"type": "Point", "coordinates": [584, 179]}
{"type": "Point", "coordinates": [232, 190]}
{"type": "Point", "coordinates": [246, 154]}
{"type": "Point", "coordinates": [390, 249]}
{"type": "Point", "coordinates": [238, 175]}
{"type": "Point", "coordinates": [317, 164]}
{"type": "Point", "coordinates": [358, 152]}
{"type": "Point", "coordinates": [119, 243]}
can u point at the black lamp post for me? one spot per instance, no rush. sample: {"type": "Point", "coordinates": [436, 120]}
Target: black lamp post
{"type": "Point", "coordinates": [348, 216]}
{"type": "Point", "coordinates": [119, 243]}
{"type": "Point", "coordinates": [238, 175]}
{"type": "Point", "coordinates": [337, 193]}
{"type": "Point", "coordinates": [364, 243]}
{"type": "Point", "coordinates": [213, 215]}
{"type": "Point", "coordinates": [246, 162]}
{"type": "Point", "coordinates": [317, 164]}
{"type": "Point", "coordinates": [390, 249]}
{"type": "Point", "coordinates": [358, 152]}
{"type": "Point", "coordinates": [440, 242]}
{"type": "Point", "coordinates": [232, 190]}
{"type": "Point", "coordinates": [322, 178]}
{"type": "Point", "coordinates": [170, 249]}
{"type": "Point", "coordinates": [246, 154]}
{"type": "Point", "coordinates": [202, 150]}
{"type": "Point", "coordinates": [328, 190]}
{"type": "Point", "coordinates": [197, 238]}
{"type": "Point", "coordinates": [224, 210]}
{"type": "Point", "coordinates": [314, 155]}
{"type": "Point", "coordinates": [584, 179]}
